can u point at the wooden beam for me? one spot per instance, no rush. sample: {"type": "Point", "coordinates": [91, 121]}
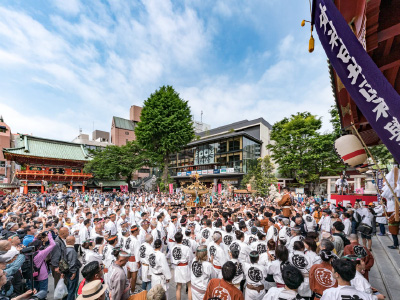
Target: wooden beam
{"type": "Point", "coordinates": [391, 75]}
{"type": "Point", "coordinates": [392, 60]}
{"type": "Point", "coordinates": [396, 210]}
{"type": "Point", "coordinates": [388, 33]}
{"type": "Point", "coordinates": [388, 46]}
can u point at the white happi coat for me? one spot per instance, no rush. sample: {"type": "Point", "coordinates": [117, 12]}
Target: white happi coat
{"type": "Point", "coordinates": [244, 250]}
{"type": "Point", "coordinates": [292, 240]}
{"type": "Point", "coordinates": [205, 233]}
{"type": "Point", "coordinates": [272, 233]}
{"type": "Point", "coordinates": [90, 255]}
{"type": "Point", "coordinates": [108, 259]}
{"type": "Point", "coordinates": [255, 275]}
{"type": "Point", "coordinates": [275, 270]}
{"type": "Point", "coordinates": [313, 257]}
{"type": "Point", "coordinates": [132, 247]}
{"type": "Point", "coordinates": [144, 252]}
{"type": "Point", "coordinates": [280, 293]}
{"type": "Point", "coordinates": [201, 274]}
{"type": "Point", "coordinates": [239, 276]}
{"type": "Point", "coordinates": [111, 227]}
{"type": "Point", "coordinates": [191, 243]}
{"type": "Point", "coordinates": [265, 259]}
{"type": "Point", "coordinates": [159, 269]}
{"type": "Point", "coordinates": [325, 223]}
{"type": "Point", "coordinates": [181, 254]}
{"type": "Point", "coordinates": [228, 238]}
{"type": "Point", "coordinates": [380, 214]}
{"type": "Point", "coordinates": [347, 227]}
{"type": "Point", "coordinates": [361, 284]}
{"type": "Point", "coordinates": [310, 223]}
{"type": "Point", "coordinates": [285, 233]}
{"type": "Point", "coordinates": [259, 246]}
{"type": "Point", "coordinates": [220, 256]}
{"type": "Point", "coordinates": [345, 292]}
{"type": "Point", "coordinates": [171, 230]}
{"type": "Point", "coordinates": [302, 262]}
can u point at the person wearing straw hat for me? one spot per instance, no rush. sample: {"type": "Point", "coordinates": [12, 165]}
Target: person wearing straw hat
{"type": "Point", "coordinates": [93, 290]}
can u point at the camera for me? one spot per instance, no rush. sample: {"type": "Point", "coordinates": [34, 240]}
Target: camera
{"type": "Point", "coordinates": [28, 250]}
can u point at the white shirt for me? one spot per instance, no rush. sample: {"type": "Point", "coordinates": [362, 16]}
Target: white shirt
{"type": "Point", "coordinates": [344, 292]}
{"type": "Point", "coordinates": [111, 227]}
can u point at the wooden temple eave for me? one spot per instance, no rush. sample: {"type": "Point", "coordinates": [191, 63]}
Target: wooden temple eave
{"type": "Point", "coordinates": [41, 161]}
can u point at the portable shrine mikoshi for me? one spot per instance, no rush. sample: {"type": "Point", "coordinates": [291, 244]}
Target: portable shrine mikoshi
{"type": "Point", "coordinates": [195, 192]}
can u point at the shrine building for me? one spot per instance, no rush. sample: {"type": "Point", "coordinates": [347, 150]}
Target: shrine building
{"type": "Point", "coordinates": [48, 164]}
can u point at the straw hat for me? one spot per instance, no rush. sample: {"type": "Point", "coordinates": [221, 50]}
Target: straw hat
{"type": "Point", "coordinates": [92, 290]}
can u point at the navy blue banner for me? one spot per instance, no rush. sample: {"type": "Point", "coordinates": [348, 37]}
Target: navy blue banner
{"type": "Point", "coordinates": [375, 97]}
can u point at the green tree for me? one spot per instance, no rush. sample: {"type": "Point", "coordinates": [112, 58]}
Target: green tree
{"type": "Point", "coordinates": [381, 155]}
{"type": "Point", "coordinates": [261, 176]}
{"type": "Point", "coordinates": [301, 151]}
{"type": "Point", "coordinates": [335, 121]}
{"type": "Point", "coordinates": [165, 126]}
{"type": "Point", "coordinates": [118, 162]}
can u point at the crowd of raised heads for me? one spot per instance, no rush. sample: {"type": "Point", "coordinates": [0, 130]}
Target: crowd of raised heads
{"type": "Point", "coordinates": [141, 245]}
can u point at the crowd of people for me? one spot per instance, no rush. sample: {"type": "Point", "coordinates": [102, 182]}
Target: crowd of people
{"type": "Point", "coordinates": [115, 245]}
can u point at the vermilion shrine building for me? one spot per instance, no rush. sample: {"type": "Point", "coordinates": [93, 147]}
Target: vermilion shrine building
{"type": "Point", "coordinates": [48, 162]}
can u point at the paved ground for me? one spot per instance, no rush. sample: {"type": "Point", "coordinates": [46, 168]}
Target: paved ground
{"type": "Point", "coordinates": [384, 276]}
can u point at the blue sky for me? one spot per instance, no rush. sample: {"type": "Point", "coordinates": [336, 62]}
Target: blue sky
{"type": "Point", "coordinates": [65, 64]}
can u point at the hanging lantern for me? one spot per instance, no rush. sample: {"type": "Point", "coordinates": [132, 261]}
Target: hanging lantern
{"type": "Point", "coordinates": [350, 150]}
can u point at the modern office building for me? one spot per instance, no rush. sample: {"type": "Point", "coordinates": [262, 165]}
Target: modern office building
{"type": "Point", "coordinates": [100, 139]}
{"type": "Point", "coordinates": [222, 154]}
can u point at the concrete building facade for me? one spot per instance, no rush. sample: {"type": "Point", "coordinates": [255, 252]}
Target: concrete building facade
{"type": "Point", "coordinates": [222, 154]}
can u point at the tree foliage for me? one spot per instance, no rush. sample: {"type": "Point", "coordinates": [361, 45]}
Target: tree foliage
{"type": "Point", "coordinates": [301, 151]}
{"type": "Point", "coordinates": [335, 121]}
{"type": "Point", "coordinates": [165, 125]}
{"type": "Point", "coordinates": [118, 162]}
{"type": "Point", "coordinates": [261, 175]}
{"type": "Point", "coordinates": [381, 154]}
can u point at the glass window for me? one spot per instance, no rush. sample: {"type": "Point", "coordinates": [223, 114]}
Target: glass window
{"type": "Point", "coordinates": [222, 147]}
{"type": "Point", "coordinates": [234, 144]}
{"type": "Point", "coordinates": [2, 164]}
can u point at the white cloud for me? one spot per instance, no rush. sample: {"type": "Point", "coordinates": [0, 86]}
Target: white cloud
{"type": "Point", "coordinates": [295, 82]}
{"type": "Point", "coordinates": [21, 121]}
{"type": "Point", "coordinates": [105, 60]}
{"type": "Point", "coordinates": [68, 6]}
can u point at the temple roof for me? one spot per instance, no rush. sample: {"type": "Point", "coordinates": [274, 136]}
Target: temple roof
{"type": "Point", "coordinates": [31, 146]}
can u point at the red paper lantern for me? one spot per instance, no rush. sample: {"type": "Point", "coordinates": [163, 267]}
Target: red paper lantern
{"type": "Point", "coordinates": [350, 150]}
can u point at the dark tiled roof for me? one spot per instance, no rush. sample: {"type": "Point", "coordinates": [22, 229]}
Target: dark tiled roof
{"type": "Point", "coordinates": [234, 126]}
{"type": "Point", "coordinates": [223, 136]}
{"type": "Point", "coordinates": [123, 123]}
